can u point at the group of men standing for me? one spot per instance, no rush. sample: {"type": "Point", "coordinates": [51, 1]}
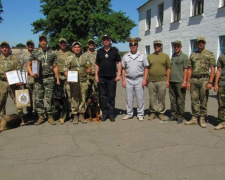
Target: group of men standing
{"type": "Point", "coordinates": [104, 68]}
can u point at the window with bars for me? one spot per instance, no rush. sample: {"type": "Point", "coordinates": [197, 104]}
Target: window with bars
{"type": "Point", "coordinates": [148, 20]}
{"type": "Point", "coordinates": [197, 7]}
{"type": "Point", "coordinates": [147, 50]}
{"type": "Point", "coordinates": [222, 44]}
{"type": "Point", "coordinates": [160, 14]}
{"type": "Point", "coordinates": [194, 45]}
{"type": "Point", "coordinates": [176, 10]}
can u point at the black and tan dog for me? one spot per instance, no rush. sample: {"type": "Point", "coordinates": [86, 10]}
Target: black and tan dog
{"type": "Point", "coordinates": [10, 121]}
{"type": "Point", "coordinates": [92, 111]}
{"type": "Point", "coordinates": [60, 103]}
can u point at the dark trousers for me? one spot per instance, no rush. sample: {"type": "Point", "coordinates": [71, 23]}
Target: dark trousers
{"type": "Point", "coordinates": [177, 99]}
{"type": "Point", "coordinates": [107, 87]}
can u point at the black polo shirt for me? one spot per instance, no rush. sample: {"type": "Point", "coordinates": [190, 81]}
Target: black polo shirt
{"type": "Point", "coordinates": [107, 61]}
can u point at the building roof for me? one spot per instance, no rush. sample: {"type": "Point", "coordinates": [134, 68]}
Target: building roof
{"type": "Point", "coordinates": [144, 4]}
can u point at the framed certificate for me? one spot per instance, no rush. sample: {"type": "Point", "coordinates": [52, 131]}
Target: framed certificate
{"type": "Point", "coordinates": [12, 77]}
{"type": "Point", "coordinates": [72, 76]}
{"type": "Point", "coordinates": [36, 67]}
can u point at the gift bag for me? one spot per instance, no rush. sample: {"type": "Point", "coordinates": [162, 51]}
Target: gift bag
{"type": "Point", "coordinates": [22, 98]}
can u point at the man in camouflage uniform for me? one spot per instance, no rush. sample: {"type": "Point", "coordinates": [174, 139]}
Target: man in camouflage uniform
{"type": "Point", "coordinates": [220, 89]}
{"type": "Point", "coordinates": [62, 55]}
{"type": "Point", "coordinates": [30, 85]}
{"type": "Point", "coordinates": [77, 62]}
{"type": "Point", "coordinates": [8, 62]}
{"type": "Point", "coordinates": [199, 81]}
{"type": "Point", "coordinates": [45, 81]}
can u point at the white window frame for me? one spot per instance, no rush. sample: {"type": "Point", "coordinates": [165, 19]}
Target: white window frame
{"type": "Point", "coordinates": [194, 46]}
{"type": "Point", "coordinates": [222, 44]}
{"type": "Point", "coordinates": [176, 11]}
{"type": "Point", "coordinates": [148, 20]}
{"type": "Point", "coordinates": [147, 49]}
{"type": "Point", "coordinates": [197, 7]}
{"type": "Point", "coordinates": [160, 17]}
{"type": "Point", "coordinates": [221, 3]}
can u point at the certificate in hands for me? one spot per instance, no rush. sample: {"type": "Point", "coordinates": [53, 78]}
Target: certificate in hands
{"type": "Point", "coordinates": [12, 77]}
{"type": "Point", "coordinates": [72, 76]}
{"type": "Point", "coordinates": [36, 67]}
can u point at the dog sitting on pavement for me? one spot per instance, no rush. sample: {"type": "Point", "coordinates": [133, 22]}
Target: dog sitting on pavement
{"type": "Point", "coordinates": [92, 110]}
{"type": "Point", "coordinates": [60, 103]}
{"type": "Point", "coordinates": [10, 121]}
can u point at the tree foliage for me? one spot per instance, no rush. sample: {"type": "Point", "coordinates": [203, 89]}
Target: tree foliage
{"type": "Point", "coordinates": [20, 45]}
{"type": "Point", "coordinates": [81, 20]}
{"type": "Point", "coordinates": [1, 10]}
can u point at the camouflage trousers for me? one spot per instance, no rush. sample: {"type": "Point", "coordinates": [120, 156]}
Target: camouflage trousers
{"type": "Point", "coordinates": [157, 95]}
{"type": "Point", "coordinates": [78, 97]}
{"type": "Point", "coordinates": [199, 96]}
{"type": "Point", "coordinates": [177, 99]}
{"type": "Point", "coordinates": [44, 87]}
{"type": "Point", "coordinates": [221, 103]}
{"type": "Point", "coordinates": [4, 92]}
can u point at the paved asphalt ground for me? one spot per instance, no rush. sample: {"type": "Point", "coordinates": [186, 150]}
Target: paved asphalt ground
{"type": "Point", "coordinates": [124, 150]}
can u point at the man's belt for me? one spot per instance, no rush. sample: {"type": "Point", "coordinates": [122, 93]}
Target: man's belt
{"type": "Point", "coordinates": [46, 76]}
{"type": "Point", "coordinates": [200, 76]}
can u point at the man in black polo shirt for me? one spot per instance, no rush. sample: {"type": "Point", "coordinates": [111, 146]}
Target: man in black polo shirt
{"type": "Point", "coordinates": [106, 75]}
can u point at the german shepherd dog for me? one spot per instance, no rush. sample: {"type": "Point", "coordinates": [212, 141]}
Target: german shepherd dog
{"type": "Point", "coordinates": [92, 111]}
{"type": "Point", "coordinates": [60, 102]}
{"type": "Point", "coordinates": [10, 121]}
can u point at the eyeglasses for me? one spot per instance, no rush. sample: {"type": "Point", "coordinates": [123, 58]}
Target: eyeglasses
{"type": "Point", "coordinates": [29, 44]}
{"type": "Point", "coordinates": [133, 44]}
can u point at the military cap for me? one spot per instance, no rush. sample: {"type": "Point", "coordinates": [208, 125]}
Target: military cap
{"type": "Point", "coordinates": [75, 43]}
{"type": "Point", "coordinates": [4, 42]}
{"type": "Point", "coordinates": [177, 42]}
{"type": "Point", "coordinates": [62, 39]}
{"type": "Point", "coordinates": [133, 39]}
{"type": "Point", "coordinates": [30, 41]}
{"type": "Point", "coordinates": [106, 36]}
{"type": "Point", "coordinates": [201, 38]}
{"type": "Point", "coordinates": [42, 36]}
{"type": "Point", "coordinates": [157, 42]}
{"type": "Point", "coordinates": [91, 40]}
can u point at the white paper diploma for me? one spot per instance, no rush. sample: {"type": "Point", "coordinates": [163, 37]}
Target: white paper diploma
{"type": "Point", "coordinates": [72, 76]}
{"type": "Point", "coordinates": [35, 67]}
{"type": "Point", "coordinates": [12, 77]}
{"type": "Point", "coordinates": [24, 76]}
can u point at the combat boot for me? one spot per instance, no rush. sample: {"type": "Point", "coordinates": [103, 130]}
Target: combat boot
{"type": "Point", "coordinates": [81, 119]}
{"type": "Point", "coordinates": [51, 120]}
{"type": "Point", "coordinates": [75, 119]}
{"type": "Point", "coordinates": [193, 121]}
{"type": "Point", "coordinates": [40, 120]}
{"type": "Point", "coordinates": [152, 116]}
{"type": "Point", "coordinates": [202, 122]}
{"type": "Point", "coordinates": [219, 126]}
{"type": "Point", "coordinates": [61, 120]}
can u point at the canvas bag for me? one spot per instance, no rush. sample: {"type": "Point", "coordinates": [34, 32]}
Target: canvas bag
{"type": "Point", "coordinates": [22, 98]}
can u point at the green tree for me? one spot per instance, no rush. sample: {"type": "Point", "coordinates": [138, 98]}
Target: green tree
{"type": "Point", "coordinates": [81, 20]}
{"type": "Point", "coordinates": [20, 45]}
{"type": "Point", "coordinates": [1, 10]}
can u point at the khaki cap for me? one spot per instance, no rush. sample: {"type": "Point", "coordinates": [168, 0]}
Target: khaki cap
{"type": "Point", "coordinates": [30, 41]}
{"type": "Point", "coordinates": [157, 42]}
{"type": "Point", "coordinates": [4, 42]}
{"type": "Point", "coordinates": [91, 40]}
{"type": "Point", "coordinates": [62, 39]}
{"type": "Point", "coordinates": [201, 38]}
{"type": "Point", "coordinates": [177, 42]}
{"type": "Point", "coordinates": [42, 36]}
{"type": "Point", "coordinates": [75, 43]}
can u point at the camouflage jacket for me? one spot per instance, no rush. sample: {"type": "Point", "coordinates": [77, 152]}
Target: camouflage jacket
{"type": "Point", "coordinates": [91, 57]}
{"type": "Point", "coordinates": [9, 63]}
{"type": "Point", "coordinates": [23, 60]}
{"type": "Point", "coordinates": [200, 62]}
{"type": "Point", "coordinates": [46, 58]}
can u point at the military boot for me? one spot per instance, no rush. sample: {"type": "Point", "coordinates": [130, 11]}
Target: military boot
{"type": "Point", "coordinates": [219, 126]}
{"type": "Point", "coordinates": [193, 121]}
{"type": "Point", "coordinates": [61, 120]}
{"type": "Point", "coordinates": [75, 119]}
{"type": "Point", "coordinates": [81, 119]}
{"type": "Point", "coordinates": [202, 122]}
{"type": "Point", "coordinates": [51, 120]}
{"type": "Point", "coordinates": [40, 120]}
